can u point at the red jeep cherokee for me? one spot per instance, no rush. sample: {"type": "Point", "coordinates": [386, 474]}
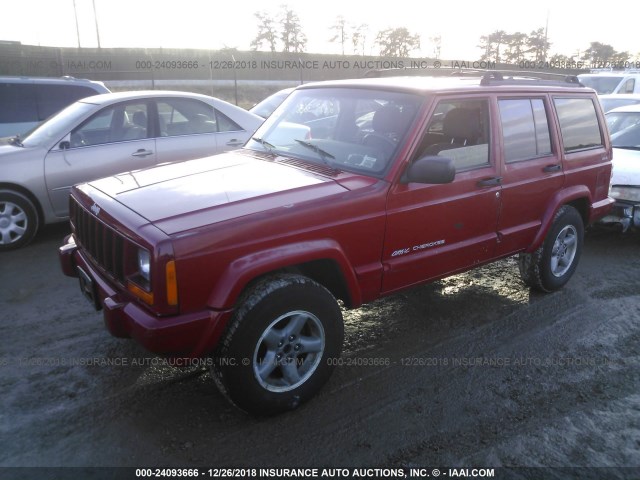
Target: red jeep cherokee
{"type": "Point", "coordinates": [351, 190]}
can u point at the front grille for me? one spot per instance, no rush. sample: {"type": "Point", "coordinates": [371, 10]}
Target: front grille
{"type": "Point", "coordinates": [102, 243]}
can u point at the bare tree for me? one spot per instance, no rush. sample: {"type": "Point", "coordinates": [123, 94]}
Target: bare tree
{"type": "Point", "coordinates": [340, 29]}
{"type": "Point", "coordinates": [436, 41]}
{"type": "Point", "coordinates": [292, 36]}
{"type": "Point", "coordinates": [359, 38]}
{"type": "Point", "coordinates": [266, 32]}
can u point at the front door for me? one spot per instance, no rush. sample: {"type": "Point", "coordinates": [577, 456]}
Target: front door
{"type": "Point", "coordinates": [436, 230]}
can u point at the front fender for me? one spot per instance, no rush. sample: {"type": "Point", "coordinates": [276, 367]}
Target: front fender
{"type": "Point", "coordinates": [243, 270]}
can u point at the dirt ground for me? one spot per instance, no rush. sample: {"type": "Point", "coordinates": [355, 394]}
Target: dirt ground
{"type": "Point", "coordinates": [474, 371]}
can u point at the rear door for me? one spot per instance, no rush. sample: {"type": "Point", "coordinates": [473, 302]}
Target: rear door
{"type": "Point", "coordinates": [532, 169]}
{"type": "Point", "coordinates": [190, 128]}
{"type": "Point", "coordinates": [436, 230]}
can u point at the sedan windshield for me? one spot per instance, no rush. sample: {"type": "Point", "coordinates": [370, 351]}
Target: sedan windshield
{"type": "Point", "coordinates": [350, 129]}
{"type": "Point", "coordinates": [624, 128]}
{"type": "Point", "coordinates": [54, 129]}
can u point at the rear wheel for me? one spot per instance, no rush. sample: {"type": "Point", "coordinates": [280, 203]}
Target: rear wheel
{"type": "Point", "coordinates": [18, 220]}
{"type": "Point", "coordinates": [278, 349]}
{"type": "Point", "coordinates": [552, 265]}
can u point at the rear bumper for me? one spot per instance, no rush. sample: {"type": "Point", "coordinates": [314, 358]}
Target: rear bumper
{"type": "Point", "coordinates": [624, 214]}
{"type": "Point", "coordinates": [600, 209]}
{"type": "Point", "coordinates": [186, 336]}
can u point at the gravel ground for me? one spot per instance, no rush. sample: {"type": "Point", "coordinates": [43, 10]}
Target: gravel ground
{"type": "Point", "coordinates": [474, 371]}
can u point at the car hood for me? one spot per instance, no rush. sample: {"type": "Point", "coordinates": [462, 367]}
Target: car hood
{"type": "Point", "coordinates": [626, 167]}
{"type": "Point", "coordinates": [200, 192]}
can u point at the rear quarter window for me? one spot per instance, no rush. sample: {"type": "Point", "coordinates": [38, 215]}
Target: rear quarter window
{"type": "Point", "coordinates": [578, 123]}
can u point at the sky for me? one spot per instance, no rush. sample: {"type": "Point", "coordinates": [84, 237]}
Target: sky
{"type": "Point", "coordinates": [215, 24]}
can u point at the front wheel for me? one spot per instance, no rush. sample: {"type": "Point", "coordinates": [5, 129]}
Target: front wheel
{"type": "Point", "coordinates": [552, 265]}
{"type": "Point", "coordinates": [18, 220]}
{"type": "Point", "coordinates": [277, 350]}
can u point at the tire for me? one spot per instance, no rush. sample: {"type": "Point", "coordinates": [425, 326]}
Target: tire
{"type": "Point", "coordinates": [278, 349]}
{"type": "Point", "coordinates": [19, 220]}
{"type": "Point", "coordinates": [552, 265]}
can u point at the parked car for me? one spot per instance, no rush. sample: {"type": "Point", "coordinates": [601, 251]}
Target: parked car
{"type": "Point", "coordinates": [612, 81]}
{"type": "Point", "coordinates": [267, 106]}
{"type": "Point", "coordinates": [104, 135]}
{"type": "Point", "coordinates": [615, 100]}
{"type": "Point", "coordinates": [624, 126]}
{"type": "Point", "coordinates": [28, 101]}
{"type": "Point", "coordinates": [401, 181]}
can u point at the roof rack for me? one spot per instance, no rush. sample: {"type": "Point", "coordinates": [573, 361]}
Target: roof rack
{"type": "Point", "coordinates": [488, 77]}
{"type": "Point", "coordinates": [514, 77]}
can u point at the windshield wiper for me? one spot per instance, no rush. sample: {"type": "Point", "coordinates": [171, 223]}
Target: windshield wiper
{"type": "Point", "coordinates": [626, 147]}
{"type": "Point", "coordinates": [16, 141]}
{"type": "Point", "coordinates": [323, 153]}
{"type": "Point", "coordinates": [264, 143]}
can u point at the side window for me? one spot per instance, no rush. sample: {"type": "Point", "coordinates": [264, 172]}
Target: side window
{"type": "Point", "coordinates": [18, 103]}
{"type": "Point", "coordinates": [525, 129]}
{"type": "Point", "coordinates": [225, 124]}
{"type": "Point", "coordinates": [116, 123]}
{"type": "Point", "coordinates": [578, 123]}
{"type": "Point", "coordinates": [628, 86]}
{"type": "Point", "coordinates": [183, 116]}
{"type": "Point", "coordinates": [459, 129]}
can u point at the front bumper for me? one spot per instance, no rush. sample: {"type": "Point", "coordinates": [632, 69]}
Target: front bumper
{"type": "Point", "coordinates": [183, 336]}
{"type": "Point", "coordinates": [624, 214]}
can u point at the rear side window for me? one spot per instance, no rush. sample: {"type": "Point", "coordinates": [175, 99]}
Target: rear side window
{"type": "Point", "coordinates": [578, 123]}
{"type": "Point", "coordinates": [525, 129]}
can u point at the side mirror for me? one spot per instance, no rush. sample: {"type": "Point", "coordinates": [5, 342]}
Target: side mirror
{"type": "Point", "coordinates": [64, 145]}
{"type": "Point", "coordinates": [430, 169]}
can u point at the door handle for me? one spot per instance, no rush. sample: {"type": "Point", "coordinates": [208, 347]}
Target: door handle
{"type": "Point", "coordinates": [490, 182]}
{"type": "Point", "coordinates": [552, 168]}
{"type": "Point", "coordinates": [142, 153]}
{"type": "Point", "coordinates": [234, 143]}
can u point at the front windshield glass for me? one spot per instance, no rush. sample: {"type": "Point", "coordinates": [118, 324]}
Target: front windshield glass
{"type": "Point", "coordinates": [624, 128]}
{"type": "Point", "coordinates": [602, 84]}
{"type": "Point", "coordinates": [54, 129]}
{"type": "Point", "coordinates": [351, 129]}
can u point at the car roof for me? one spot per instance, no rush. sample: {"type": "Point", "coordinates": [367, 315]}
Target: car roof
{"type": "Point", "coordinates": [620, 96]}
{"type": "Point", "coordinates": [49, 80]}
{"type": "Point", "coordinates": [425, 84]}
{"type": "Point", "coordinates": [107, 98]}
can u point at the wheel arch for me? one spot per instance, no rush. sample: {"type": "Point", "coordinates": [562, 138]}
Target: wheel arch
{"type": "Point", "coordinates": [322, 261]}
{"type": "Point", "coordinates": [578, 197]}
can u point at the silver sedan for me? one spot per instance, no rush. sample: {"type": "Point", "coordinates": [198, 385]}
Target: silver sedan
{"type": "Point", "coordinates": [103, 135]}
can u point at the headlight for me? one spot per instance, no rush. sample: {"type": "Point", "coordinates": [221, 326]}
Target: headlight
{"type": "Point", "coordinates": [628, 193]}
{"type": "Point", "coordinates": [144, 264]}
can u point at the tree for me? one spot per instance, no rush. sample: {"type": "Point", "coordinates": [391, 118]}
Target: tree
{"type": "Point", "coordinates": [340, 32]}
{"type": "Point", "coordinates": [359, 38]}
{"type": "Point", "coordinates": [538, 45]}
{"type": "Point", "coordinates": [266, 32]}
{"type": "Point", "coordinates": [516, 47]}
{"type": "Point", "coordinates": [602, 53]}
{"type": "Point", "coordinates": [292, 36]}
{"type": "Point", "coordinates": [397, 42]}
{"type": "Point", "coordinates": [436, 41]}
{"type": "Point", "coordinates": [491, 45]}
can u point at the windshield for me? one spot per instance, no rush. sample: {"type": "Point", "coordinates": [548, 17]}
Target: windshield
{"type": "Point", "coordinates": [602, 84]}
{"type": "Point", "coordinates": [351, 129]}
{"type": "Point", "coordinates": [624, 128]}
{"type": "Point", "coordinates": [54, 129]}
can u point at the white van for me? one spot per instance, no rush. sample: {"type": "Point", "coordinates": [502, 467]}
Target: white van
{"type": "Point", "coordinates": [25, 102]}
{"type": "Point", "coordinates": [612, 81]}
